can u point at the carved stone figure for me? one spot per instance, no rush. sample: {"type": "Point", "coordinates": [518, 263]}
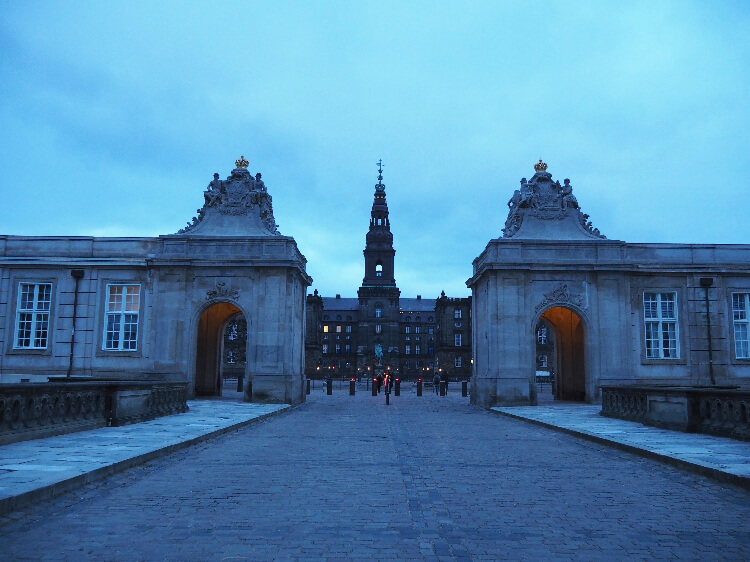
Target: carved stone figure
{"type": "Point", "coordinates": [378, 353]}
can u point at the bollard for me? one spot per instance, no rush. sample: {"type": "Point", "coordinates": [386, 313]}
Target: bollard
{"type": "Point", "coordinates": [351, 387]}
{"type": "Point", "coordinates": [397, 388]}
{"type": "Point", "coordinates": [387, 398]}
{"type": "Point", "coordinates": [419, 387]}
{"type": "Point", "coordinates": [374, 387]}
{"type": "Point", "coordinates": [308, 386]}
{"type": "Point", "coordinates": [240, 380]}
{"type": "Point", "coordinates": [464, 388]}
{"type": "Point", "coordinates": [249, 393]}
{"type": "Point", "coordinates": [442, 388]}
{"type": "Point", "coordinates": [329, 386]}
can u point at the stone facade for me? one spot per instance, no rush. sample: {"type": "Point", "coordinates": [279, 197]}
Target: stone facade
{"type": "Point", "coordinates": [622, 313]}
{"type": "Point", "coordinates": [155, 308]}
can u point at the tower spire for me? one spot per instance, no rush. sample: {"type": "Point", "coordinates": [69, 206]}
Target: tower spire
{"type": "Point", "coordinates": [379, 250]}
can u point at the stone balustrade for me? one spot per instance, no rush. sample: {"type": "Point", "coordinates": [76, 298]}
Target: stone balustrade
{"type": "Point", "coordinates": [722, 411]}
{"type": "Point", "coordinates": [36, 410]}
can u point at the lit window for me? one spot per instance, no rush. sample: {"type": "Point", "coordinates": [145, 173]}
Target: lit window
{"type": "Point", "coordinates": [407, 350]}
{"type": "Point", "coordinates": [457, 314]}
{"type": "Point", "coordinates": [457, 338]}
{"type": "Point", "coordinates": [325, 329]}
{"type": "Point", "coordinates": [338, 329]}
{"type": "Point", "coordinates": [458, 362]}
{"type": "Point", "coordinates": [32, 315]}
{"type": "Point", "coordinates": [121, 319]}
{"type": "Point", "coordinates": [378, 269]}
{"type": "Point", "coordinates": [740, 314]}
{"type": "Point", "coordinates": [378, 328]}
{"type": "Point", "coordinates": [541, 335]}
{"type": "Point", "coordinates": [660, 317]}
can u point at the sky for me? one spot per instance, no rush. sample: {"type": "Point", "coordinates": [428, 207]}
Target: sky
{"type": "Point", "coordinates": [115, 115]}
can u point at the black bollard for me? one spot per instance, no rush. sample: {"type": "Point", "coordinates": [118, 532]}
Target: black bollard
{"type": "Point", "coordinates": [374, 387]}
{"type": "Point", "coordinates": [329, 386]}
{"type": "Point", "coordinates": [464, 388]}
{"type": "Point", "coordinates": [419, 387]}
{"type": "Point", "coordinates": [351, 387]}
{"type": "Point", "coordinates": [240, 379]}
{"type": "Point", "coordinates": [249, 392]}
{"type": "Point", "coordinates": [387, 398]}
{"type": "Point", "coordinates": [308, 386]}
{"type": "Point", "coordinates": [397, 388]}
{"type": "Point", "coordinates": [442, 388]}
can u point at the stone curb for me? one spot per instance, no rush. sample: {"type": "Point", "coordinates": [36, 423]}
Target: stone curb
{"type": "Point", "coordinates": [14, 503]}
{"type": "Point", "coordinates": [721, 476]}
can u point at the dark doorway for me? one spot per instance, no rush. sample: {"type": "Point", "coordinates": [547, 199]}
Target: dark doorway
{"type": "Point", "coordinates": [567, 360]}
{"type": "Point", "coordinates": [209, 352]}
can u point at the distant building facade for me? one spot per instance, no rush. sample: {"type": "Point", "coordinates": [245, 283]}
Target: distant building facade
{"type": "Point", "coordinates": [418, 337]}
{"type": "Point", "coordinates": [614, 313]}
{"type": "Point", "coordinates": [156, 308]}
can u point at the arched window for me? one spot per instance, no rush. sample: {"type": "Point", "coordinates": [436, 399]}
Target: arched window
{"type": "Point", "coordinates": [378, 311]}
{"type": "Point", "coordinates": [543, 361]}
{"type": "Point", "coordinates": [541, 335]}
{"type": "Point", "coordinates": [378, 269]}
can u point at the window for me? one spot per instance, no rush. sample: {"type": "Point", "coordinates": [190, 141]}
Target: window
{"type": "Point", "coordinates": [338, 349]}
{"type": "Point", "coordinates": [407, 350]}
{"type": "Point", "coordinates": [407, 330]}
{"type": "Point", "coordinates": [232, 336]}
{"type": "Point", "coordinates": [430, 330]}
{"type": "Point", "coordinates": [430, 350]}
{"type": "Point", "coordinates": [408, 364]}
{"type": "Point", "coordinates": [121, 322]}
{"type": "Point", "coordinates": [32, 315]}
{"type": "Point", "coordinates": [378, 328]}
{"type": "Point", "coordinates": [457, 338]}
{"type": "Point", "coordinates": [457, 324]}
{"type": "Point", "coordinates": [325, 348]}
{"type": "Point", "coordinates": [457, 314]}
{"type": "Point", "coordinates": [740, 308]}
{"type": "Point", "coordinates": [348, 349]}
{"type": "Point", "coordinates": [349, 329]}
{"type": "Point", "coordinates": [418, 319]}
{"type": "Point", "coordinates": [379, 270]}
{"type": "Point", "coordinates": [325, 329]}
{"type": "Point", "coordinates": [541, 335]}
{"type": "Point", "coordinates": [417, 338]}
{"type": "Point", "coordinates": [458, 362]}
{"type": "Point", "coordinates": [429, 319]}
{"type": "Point", "coordinates": [418, 329]}
{"type": "Point", "coordinates": [543, 361]}
{"type": "Point", "coordinates": [378, 312]}
{"type": "Point", "coordinates": [417, 350]}
{"type": "Point", "coordinates": [338, 329]}
{"type": "Point", "coordinates": [660, 317]}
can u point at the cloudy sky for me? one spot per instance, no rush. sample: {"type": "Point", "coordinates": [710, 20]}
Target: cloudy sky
{"type": "Point", "coordinates": [115, 115]}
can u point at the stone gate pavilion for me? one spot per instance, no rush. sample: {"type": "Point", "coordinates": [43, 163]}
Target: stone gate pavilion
{"type": "Point", "coordinates": [156, 308]}
{"type": "Point", "coordinates": [621, 313]}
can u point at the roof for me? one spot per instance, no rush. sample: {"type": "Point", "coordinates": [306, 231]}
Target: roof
{"type": "Point", "coordinates": [416, 305]}
{"type": "Point", "coordinates": [332, 304]}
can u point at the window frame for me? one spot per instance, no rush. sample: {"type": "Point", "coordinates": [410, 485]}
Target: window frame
{"type": "Point", "coordinates": [740, 322]}
{"type": "Point", "coordinates": [35, 312]}
{"type": "Point", "coordinates": [659, 320]}
{"type": "Point", "coordinates": [457, 340]}
{"type": "Point", "coordinates": [122, 314]}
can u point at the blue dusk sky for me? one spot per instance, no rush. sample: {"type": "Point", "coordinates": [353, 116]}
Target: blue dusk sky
{"type": "Point", "coordinates": [115, 115]}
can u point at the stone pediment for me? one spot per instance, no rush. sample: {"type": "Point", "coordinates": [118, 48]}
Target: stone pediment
{"type": "Point", "coordinates": [237, 206]}
{"type": "Point", "coordinates": [545, 210]}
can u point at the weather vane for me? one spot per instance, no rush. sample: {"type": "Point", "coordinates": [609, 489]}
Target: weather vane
{"type": "Point", "coordinates": [380, 166]}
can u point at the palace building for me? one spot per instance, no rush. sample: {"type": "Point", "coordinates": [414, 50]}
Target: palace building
{"type": "Point", "coordinates": [418, 336]}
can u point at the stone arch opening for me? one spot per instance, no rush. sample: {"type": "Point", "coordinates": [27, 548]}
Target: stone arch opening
{"type": "Point", "coordinates": [567, 358]}
{"type": "Point", "coordinates": [210, 345]}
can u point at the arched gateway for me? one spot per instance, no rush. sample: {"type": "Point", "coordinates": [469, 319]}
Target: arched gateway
{"type": "Point", "coordinates": [209, 353]}
{"type": "Point", "coordinates": [567, 361]}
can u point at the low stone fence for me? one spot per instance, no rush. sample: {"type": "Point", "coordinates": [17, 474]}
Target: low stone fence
{"type": "Point", "coordinates": [35, 410]}
{"type": "Point", "coordinates": [723, 411]}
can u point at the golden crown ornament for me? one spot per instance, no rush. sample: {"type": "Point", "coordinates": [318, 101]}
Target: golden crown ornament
{"type": "Point", "coordinates": [540, 166]}
{"type": "Point", "coordinates": [242, 163]}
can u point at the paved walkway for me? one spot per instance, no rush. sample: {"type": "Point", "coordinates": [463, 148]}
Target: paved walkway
{"type": "Point", "coordinates": [426, 478]}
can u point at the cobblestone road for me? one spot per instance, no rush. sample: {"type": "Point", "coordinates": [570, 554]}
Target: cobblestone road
{"type": "Point", "coordinates": [425, 478]}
